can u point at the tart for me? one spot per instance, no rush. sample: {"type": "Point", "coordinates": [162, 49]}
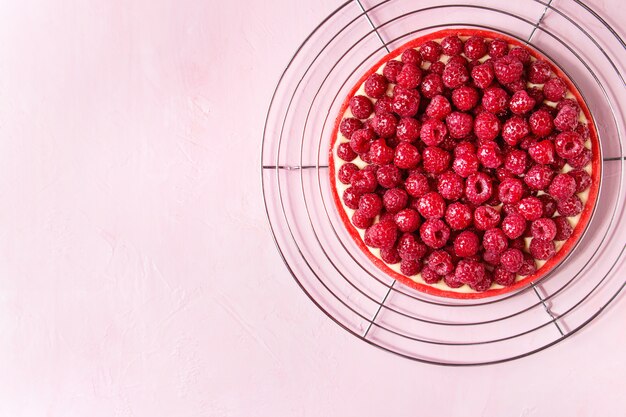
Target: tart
{"type": "Point", "coordinates": [465, 164]}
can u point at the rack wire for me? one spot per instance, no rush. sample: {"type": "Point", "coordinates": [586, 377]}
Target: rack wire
{"type": "Point", "coordinates": [335, 274]}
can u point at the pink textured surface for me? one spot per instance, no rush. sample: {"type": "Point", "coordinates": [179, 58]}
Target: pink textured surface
{"type": "Point", "coordinates": [137, 273]}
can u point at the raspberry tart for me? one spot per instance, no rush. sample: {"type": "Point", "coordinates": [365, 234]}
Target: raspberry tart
{"type": "Point", "coordinates": [465, 164]}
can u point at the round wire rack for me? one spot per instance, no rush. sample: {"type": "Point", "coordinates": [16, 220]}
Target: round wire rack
{"type": "Point", "coordinates": [337, 276]}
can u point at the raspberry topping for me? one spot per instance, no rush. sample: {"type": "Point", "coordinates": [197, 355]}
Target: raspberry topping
{"type": "Point", "coordinates": [469, 272]}
{"type": "Point", "coordinates": [376, 86]}
{"type": "Point", "coordinates": [450, 185]}
{"type": "Point", "coordinates": [582, 179]}
{"type": "Point", "coordinates": [438, 108]}
{"type": "Point", "coordinates": [345, 152]}
{"type": "Point", "coordinates": [458, 216]}
{"type": "Point", "coordinates": [407, 156]}
{"type": "Point", "coordinates": [394, 200]}
{"type": "Point", "coordinates": [531, 208]}
{"type": "Point", "coordinates": [571, 206]}
{"type": "Point", "coordinates": [440, 262]}
{"type": "Point", "coordinates": [452, 45]}
{"type": "Point", "coordinates": [486, 217]}
{"type": "Point", "coordinates": [346, 171]}
{"type": "Point", "coordinates": [465, 98]}
{"type": "Point", "coordinates": [435, 233]}
{"type": "Point", "coordinates": [569, 144]}
{"type": "Point", "coordinates": [433, 130]}
{"type": "Point", "coordinates": [454, 75]}
{"type": "Point", "coordinates": [563, 228]}
{"type": "Point", "coordinates": [562, 187]}
{"type": "Point", "coordinates": [503, 277]}
{"type": "Point", "coordinates": [483, 75]}
{"type": "Point", "coordinates": [430, 51]}
{"type": "Point", "coordinates": [508, 69]}
{"type": "Point", "coordinates": [410, 76]}
{"type": "Point", "coordinates": [542, 152]}
{"type": "Point", "coordinates": [566, 119]}
{"type": "Point", "coordinates": [539, 72]}
{"type": "Point", "coordinates": [554, 89]}
{"type": "Point", "coordinates": [389, 176]}
{"type": "Point", "coordinates": [432, 85]}
{"type": "Point", "coordinates": [494, 240]}
{"type": "Point", "coordinates": [361, 107]}
{"type": "Point", "coordinates": [498, 48]}
{"type": "Point", "coordinates": [541, 123]}
{"type": "Point", "coordinates": [391, 70]}
{"type": "Point", "coordinates": [466, 244]}
{"type": "Point", "coordinates": [478, 188]}
{"type": "Point", "coordinates": [405, 102]}
{"type": "Point", "coordinates": [410, 267]}
{"type": "Point", "coordinates": [431, 205]}
{"type": "Point", "coordinates": [349, 125]}
{"type": "Point", "coordinates": [512, 260]}
{"type": "Point", "coordinates": [435, 160]}
{"type": "Point", "coordinates": [542, 249]}
{"type": "Point", "coordinates": [543, 229]}
{"type": "Point", "coordinates": [361, 221]}
{"type": "Point", "coordinates": [495, 100]}
{"type": "Point", "coordinates": [459, 124]}
{"type": "Point", "coordinates": [408, 129]}
{"type": "Point", "coordinates": [490, 155]}
{"type": "Point", "coordinates": [514, 225]}
{"type": "Point", "coordinates": [521, 103]}
{"type": "Point", "coordinates": [410, 248]}
{"type": "Point", "coordinates": [417, 185]}
{"type": "Point", "coordinates": [407, 220]}
{"type": "Point", "coordinates": [475, 47]}
{"type": "Point", "coordinates": [510, 190]}
{"type": "Point", "coordinates": [390, 255]}
{"type": "Point", "coordinates": [514, 130]}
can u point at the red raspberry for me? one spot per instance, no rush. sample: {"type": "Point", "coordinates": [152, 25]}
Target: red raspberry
{"type": "Point", "coordinates": [478, 188]}
{"type": "Point", "coordinates": [531, 208]}
{"type": "Point", "coordinates": [512, 260]}
{"type": "Point", "coordinates": [486, 217]}
{"type": "Point", "coordinates": [384, 124]}
{"type": "Point", "coordinates": [466, 244]}
{"type": "Point", "coordinates": [370, 205]}
{"type": "Point", "coordinates": [450, 185]}
{"type": "Point", "coordinates": [502, 174]}
{"type": "Point", "coordinates": [508, 69]}
{"type": "Point", "coordinates": [395, 199]}
{"type": "Point", "coordinates": [521, 54]}
{"type": "Point", "coordinates": [458, 216]}
{"type": "Point", "coordinates": [566, 119]}
{"type": "Point", "coordinates": [411, 56]}
{"type": "Point", "coordinates": [475, 47]}
{"type": "Point", "coordinates": [451, 281]}
{"type": "Point", "coordinates": [410, 268]}
{"type": "Point", "coordinates": [407, 220]}
{"type": "Point", "coordinates": [465, 98]}
{"type": "Point", "coordinates": [376, 86]}
{"type": "Point", "coordinates": [361, 221]}
{"type": "Point", "coordinates": [539, 177]}
{"type": "Point", "coordinates": [440, 262]}
{"type": "Point", "coordinates": [571, 206]}
{"type": "Point", "coordinates": [465, 164]}
{"type": "Point", "coordinates": [438, 108]}
{"type": "Point", "coordinates": [437, 68]}
{"type": "Point", "coordinates": [514, 130]}
{"type": "Point", "coordinates": [381, 235]}
{"type": "Point", "coordinates": [361, 107]}
{"type": "Point", "coordinates": [380, 153]}
{"type": "Point", "coordinates": [435, 233]}
{"type": "Point", "coordinates": [542, 249]}
{"type": "Point", "coordinates": [542, 152]}
{"type": "Point", "coordinates": [464, 148]}
{"type": "Point", "coordinates": [515, 86]}
{"type": "Point", "coordinates": [429, 276]}
{"type": "Point", "coordinates": [528, 267]}
{"type": "Point", "coordinates": [569, 144]}
{"type": "Point", "coordinates": [364, 181]}
{"type": "Point", "coordinates": [510, 190]}
{"type": "Point", "coordinates": [518, 243]}
{"type": "Point", "coordinates": [583, 131]}
{"type": "Point", "coordinates": [433, 131]}
{"type": "Point", "coordinates": [485, 283]}
{"type": "Point", "coordinates": [564, 228]}
{"type": "Point", "coordinates": [383, 105]}
{"type": "Point", "coordinates": [432, 85]}
{"type": "Point", "coordinates": [494, 240]}
{"type": "Point", "coordinates": [410, 248]}
{"type": "Point", "coordinates": [582, 179]}
{"type": "Point", "coordinates": [490, 155]}
{"type": "Point", "coordinates": [498, 48]}
{"type": "Point", "coordinates": [521, 102]}
{"type": "Point", "coordinates": [454, 75]}
{"type": "Point", "coordinates": [541, 123]}
{"type": "Point", "coordinates": [554, 89]}
{"type": "Point", "coordinates": [503, 277]}
{"type": "Point", "coordinates": [486, 126]}
{"type": "Point", "coordinates": [351, 197]}
{"type": "Point", "coordinates": [435, 160]}
{"type": "Point", "coordinates": [405, 102]}
{"type": "Point", "coordinates": [549, 205]}
{"type": "Point", "coordinates": [349, 125]}
{"type": "Point", "coordinates": [469, 272]}
{"type": "Point", "coordinates": [407, 156]}
{"type": "Point", "coordinates": [562, 187]}
{"type": "Point", "coordinates": [391, 70]}
{"type": "Point", "coordinates": [416, 185]}
{"type": "Point", "coordinates": [346, 171]}
{"type": "Point", "coordinates": [410, 76]}
{"type": "Point", "coordinates": [483, 75]}
{"type": "Point", "coordinates": [385, 216]}
{"type": "Point", "coordinates": [536, 93]}
{"type": "Point", "coordinates": [389, 176]}
{"type": "Point", "coordinates": [459, 124]}
{"type": "Point", "coordinates": [495, 100]}
{"type": "Point", "coordinates": [390, 255]}
{"type": "Point", "coordinates": [408, 129]}
{"type": "Point", "coordinates": [361, 140]}
{"type": "Point", "coordinates": [513, 225]}
{"type": "Point", "coordinates": [543, 229]}
{"type": "Point", "coordinates": [568, 102]}
{"type": "Point", "coordinates": [452, 45]}
{"type": "Point", "coordinates": [539, 72]}
{"type": "Point", "coordinates": [345, 152]}
{"type": "Point", "coordinates": [431, 205]}
{"type": "Point", "coordinates": [581, 160]}
{"type": "Point", "coordinates": [430, 51]}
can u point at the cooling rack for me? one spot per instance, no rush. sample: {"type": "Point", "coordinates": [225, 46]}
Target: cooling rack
{"type": "Point", "coordinates": [336, 275]}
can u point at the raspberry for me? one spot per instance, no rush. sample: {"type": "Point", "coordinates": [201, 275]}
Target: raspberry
{"type": "Point", "coordinates": [549, 205]}
{"type": "Point", "coordinates": [391, 70]}
{"type": "Point", "coordinates": [383, 105]}
{"type": "Point", "coordinates": [384, 124]}
{"type": "Point", "coordinates": [483, 75]}
{"type": "Point", "coordinates": [503, 173]}
{"type": "Point", "coordinates": [451, 281]}
{"type": "Point", "coordinates": [495, 100]}
{"type": "Point", "coordinates": [490, 155]}
{"type": "Point", "coordinates": [410, 248]}
{"type": "Point", "coordinates": [512, 260]}
{"type": "Point", "coordinates": [385, 216]}
{"type": "Point", "coordinates": [408, 129]}
{"type": "Point", "coordinates": [361, 221]}
{"type": "Point", "coordinates": [484, 284]}
{"type": "Point", "coordinates": [363, 181]}
{"type": "Point", "coordinates": [464, 148]}
{"type": "Point", "coordinates": [503, 277]}
{"type": "Point", "coordinates": [431, 205]}
{"type": "Point", "coordinates": [454, 75]}
{"type": "Point", "coordinates": [521, 102]}
{"type": "Point", "coordinates": [407, 220]}
{"type": "Point", "coordinates": [410, 268]}
{"type": "Point", "coordinates": [541, 123]}
{"type": "Point", "coordinates": [568, 102]}
{"type": "Point", "coordinates": [515, 86]}
{"type": "Point", "coordinates": [406, 156]}
{"type": "Point", "coordinates": [514, 130]}
{"type": "Point", "coordinates": [416, 185]}
{"type": "Point", "coordinates": [430, 276]}
{"type": "Point", "coordinates": [542, 152]}
{"type": "Point", "coordinates": [435, 160]}
{"type": "Point", "coordinates": [513, 225]}
{"type": "Point", "coordinates": [498, 48]}
{"type": "Point", "coordinates": [459, 124]}
{"type": "Point", "coordinates": [531, 208]}
{"type": "Point", "coordinates": [381, 235]}
{"type": "Point", "coordinates": [528, 266]}
{"type": "Point", "coordinates": [486, 217]}
{"type": "Point", "coordinates": [433, 131]}
{"type": "Point", "coordinates": [440, 262]}
{"type": "Point", "coordinates": [542, 249]}
{"type": "Point", "coordinates": [581, 160]}
{"type": "Point", "coordinates": [539, 177]}
{"type": "Point", "coordinates": [452, 45]}
{"type": "Point", "coordinates": [410, 76]}
{"type": "Point", "coordinates": [361, 107]}
{"type": "Point", "coordinates": [469, 272]}
{"type": "Point", "coordinates": [434, 233]}
{"type": "Point", "coordinates": [458, 216]}
{"type": "Point", "coordinates": [508, 69]}
{"type": "Point", "coordinates": [554, 89]}
{"type": "Point", "coordinates": [582, 179]}
{"type": "Point", "coordinates": [563, 228]}
{"type": "Point", "coordinates": [389, 176]}
{"type": "Point", "coordinates": [521, 54]}
{"type": "Point", "coordinates": [465, 98]}
{"type": "Point", "coordinates": [376, 86]}
{"type": "Point", "coordinates": [571, 206]}
{"type": "Point", "coordinates": [569, 144]}
{"type": "Point", "coordinates": [370, 205]}
{"type": "Point", "coordinates": [536, 93]}
{"type": "Point", "coordinates": [405, 102]}
{"type": "Point", "coordinates": [539, 72]}
{"type": "Point", "coordinates": [466, 244]}
{"type": "Point", "coordinates": [350, 198]}
{"type": "Point", "coordinates": [583, 131]}
{"type": "Point", "coordinates": [562, 187]}
{"type": "Point", "coordinates": [478, 188]}
{"type": "Point", "coordinates": [486, 126]}
{"type": "Point", "coordinates": [430, 51]}
{"type": "Point", "coordinates": [380, 153]}
{"type": "Point", "coordinates": [438, 108]}
{"type": "Point", "coordinates": [543, 229]}
{"type": "Point", "coordinates": [510, 190]}
{"type": "Point", "coordinates": [390, 255]}
{"type": "Point", "coordinates": [494, 240]}
{"type": "Point", "coordinates": [349, 125]}
{"type": "Point", "coordinates": [346, 171]}
{"type": "Point", "coordinates": [566, 119]}
{"type": "Point", "coordinates": [450, 185]}
{"type": "Point", "coordinates": [361, 140]}
{"type": "Point", "coordinates": [395, 199]}
{"type": "Point", "coordinates": [437, 67]}
{"type": "Point", "coordinates": [345, 152]}
{"type": "Point", "coordinates": [431, 86]}
{"type": "Point", "coordinates": [475, 47]}
{"type": "Point", "coordinates": [465, 164]}
{"type": "Point", "coordinates": [411, 56]}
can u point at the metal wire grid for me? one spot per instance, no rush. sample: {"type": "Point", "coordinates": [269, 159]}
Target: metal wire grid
{"type": "Point", "coordinates": [396, 311]}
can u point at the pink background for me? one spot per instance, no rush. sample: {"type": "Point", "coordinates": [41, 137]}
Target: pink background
{"type": "Point", "coordinates": [138, 276]}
